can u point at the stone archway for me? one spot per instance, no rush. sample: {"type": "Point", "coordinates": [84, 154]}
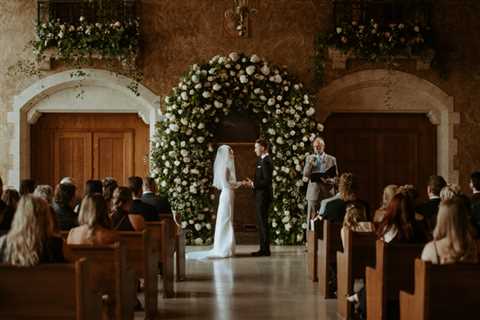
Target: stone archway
{"type": "Point", "coordinates": [102, 92]}
{"type": "Point", "coordinates": [388, 91]}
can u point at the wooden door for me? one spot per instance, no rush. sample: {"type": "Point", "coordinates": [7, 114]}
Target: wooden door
{"type": "Point", "coordinates": [88, 146]}
{"type": "Point", "coordinates": [240, 131]}
{"type": "Point", "coordinates": [73, 155]}
{"type": "Point", "coordinates": [113, 155]}
{"type": "Point", "coordinates": [383, 149]}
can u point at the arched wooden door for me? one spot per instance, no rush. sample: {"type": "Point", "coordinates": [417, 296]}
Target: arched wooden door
{"type": "Point", "coordinates": [88, 146]}
{"type": "Point", "coordinates": [383, 149]}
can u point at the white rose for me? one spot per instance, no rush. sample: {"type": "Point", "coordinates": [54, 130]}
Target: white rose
{"type": "Point", "coordinates": [198, 86]}
{"type": "Point", "coordinates": [201, 125]}
{"type": "Point", "coordinates": [243, 78]}
{"type": "Point", "coordinates": [250, 70]}
{"type": "Point", "coordinates": [217, 87]}
{"type": "Point", "coordinates": [265, 70]}
{"type": "Point", "coordinates": [234, 56]}
{"type": "Point", "coordinates": [277, 78]}
{"type": "Point", "coordinates": [206, 94]}
{"type": "Point", "coordinates": [339, 30]}
{"type": "Point", "coordinates": [200, 139]}
{"type": "Point", "coordinates": [279, 140]}
{"type": "Point", "coordinates": [257, 91]}
{"type": "Point", "coordinates": [218, 104]}
{"type": "Point", "coordinates": [209, 226]}
{"type": "Point", "coordinates": [184, 152]}
{"type": "Point", "coordinates": [292, 133]}
{"type": "Point", "coordinates": [198, 241]}
{"type": "Point", "coordinates": [310, 112]}
{"type": "Point", "coordinates": [173, 127]}
{"type": "Point", "coordinates": [271, 131]}
{"type": "Point", "coordinates": [254, 58]}
{"type": "Point", "coordinates": [193, 189]}
{"type": "Point", "coordinates": [195, 78]}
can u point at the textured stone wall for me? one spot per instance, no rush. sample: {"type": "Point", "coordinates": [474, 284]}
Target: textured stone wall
{"type": "Point", "coordinates": [178, 33]}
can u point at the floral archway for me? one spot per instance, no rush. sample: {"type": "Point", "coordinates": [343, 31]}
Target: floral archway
{"type": "Point", "coordinates": [183, 151]}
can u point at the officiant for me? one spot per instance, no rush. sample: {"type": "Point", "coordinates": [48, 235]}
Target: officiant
{"type": "Point", "coordinates": [322, 171]}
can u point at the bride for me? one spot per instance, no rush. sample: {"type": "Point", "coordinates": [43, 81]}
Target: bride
{"type": "Point", "coordinates": [225, 180]}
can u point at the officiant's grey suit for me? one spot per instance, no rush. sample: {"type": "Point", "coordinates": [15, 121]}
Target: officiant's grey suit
{"type": "Point", "coordinates": [317, 191]}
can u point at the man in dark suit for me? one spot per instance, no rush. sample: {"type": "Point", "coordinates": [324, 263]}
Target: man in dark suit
{"type": "Point", "coordinates": [262, 185]}
{"type": "Point", "coordinates": [149, 196]}
{"type": "Point", "coordinates": [148, 212]}
{"type": "Point", "coordinates": [429, 209]}
{"type": "Point", "coordinates": [475, 200]}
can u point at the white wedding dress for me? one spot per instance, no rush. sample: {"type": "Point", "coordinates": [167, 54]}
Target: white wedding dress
{"type": "Point", "coordinates": [225, 180]}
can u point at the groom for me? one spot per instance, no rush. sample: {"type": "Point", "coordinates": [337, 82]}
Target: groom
{"type": "Point", "coordinates": [262, 186]}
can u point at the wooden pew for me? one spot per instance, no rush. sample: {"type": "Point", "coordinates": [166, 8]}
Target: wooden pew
{"type": "Point", "coordinates": [109, 276]}
{"type": "Point", "coordinates": [48, 292]}
{"type": "Point", "coordinates": [358, 253]}
{"type": "Point", "coordinates": [163, 233]}
{"type": "Point", "coordinates": [180, 244]}
{"type": "Point", "coordinates": [142, 256]}
{"type": "Point", "coordinates": [442, 292]}
{"type": "Point", "coordinates": [312, 250]}
{"type": "Point", "coordinates": [393, 272]}
{"type": "Point", "coordinates": [328, 245]}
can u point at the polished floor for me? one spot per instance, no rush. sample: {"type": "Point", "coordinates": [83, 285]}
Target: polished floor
{"type": "Point", "coordinates": [245, 287]}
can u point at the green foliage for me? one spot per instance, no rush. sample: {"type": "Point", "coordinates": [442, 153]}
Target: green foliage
{"type": "Point", "coordinates": [183, 151]}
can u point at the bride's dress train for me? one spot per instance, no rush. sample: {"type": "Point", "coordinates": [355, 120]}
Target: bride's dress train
{"type": "Point", "coordinates": [225, 180]}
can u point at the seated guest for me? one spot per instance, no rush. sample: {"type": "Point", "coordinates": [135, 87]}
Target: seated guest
{"type": "Point", "coordinates": [453, 240]}
{"type": "Point", "coordinates": [324, 202]}
{"type": "Point", "coordinates": [45, 192]}
{"type": "Point", "coordinates": [355, 220]}
{"type": "Point", "coordinates": [450, 191]}
{"type": "Point", "coordinates": [63, 206]}
{"type": "Point", "coordinates": [27, 186]}
{"type": "Point", "coordinates": [30, 241]}
{"type": "Point", "coordinates": [8, 206]}
{"type": "Point", "coordinates": [67, 180]}
{"type": "Point", "coordinates": [95, 226]}
{"type": "Point", "coordinates": [109, 186]}
{"type": "Point", "coordinates": [399, 224]}
{"type": "Point", "coordinates": [429, 209]}
{"type": "Point", "coordinates": [149, 196]}
{"type": "Point", "coordinates": [122, 218]}
{"type": "Point", "coordinates": [148, 212]}
{"type": "Point", "coordinates": [388, 194]}
{"type": "Point", "coordinates": [475, 186]}
{"type": "Point", "coordinates": [348, 187]}
{"type": "Point", "coordinates": [475, 201]}
{"type": "Point", "coordinates": [91, 187]}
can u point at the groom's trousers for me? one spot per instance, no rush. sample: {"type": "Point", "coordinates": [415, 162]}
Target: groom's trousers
{"type": "Point", "coordinates": [262, 204]}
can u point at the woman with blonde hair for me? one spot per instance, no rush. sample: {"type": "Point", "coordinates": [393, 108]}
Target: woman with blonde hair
{"type": "Point", "coordinates": [355, 220]}
{"type": "Point", "coordinates": [388, 194]}
{"type": "Point", "coordinates": [453, 240]}
{"type": "Point", "coordinates": [450, 191]}
{"type": "Point", "coordinates": [30, 240]}
{"type": "Point", "coordinates": [95, 226]}
{"type": "Point", "coordinates": [122, 218]}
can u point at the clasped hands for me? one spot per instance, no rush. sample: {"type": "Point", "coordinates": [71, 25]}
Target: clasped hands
{"type": "Point", "coordinates": [248, 183]}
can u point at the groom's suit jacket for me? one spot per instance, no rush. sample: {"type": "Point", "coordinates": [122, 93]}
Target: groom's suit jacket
{"type": "Point", "coordinates": [263, 176]}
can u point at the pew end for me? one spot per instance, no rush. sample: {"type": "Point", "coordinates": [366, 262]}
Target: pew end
{"type": "Point", "coordinates": [41, 301]}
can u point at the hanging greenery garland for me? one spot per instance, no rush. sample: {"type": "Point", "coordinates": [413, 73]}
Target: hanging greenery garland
{"type": "Point", "coordinates": [184, 150]}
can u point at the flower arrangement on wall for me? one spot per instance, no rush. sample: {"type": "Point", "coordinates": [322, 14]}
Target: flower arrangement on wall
{"type": "Point", "coordinates": [183, 153]}
{"type": "Point", "coordinates": [79, 44]}
{"type": "Point", "coordinates": [73, 42]}
{"type": "Point", "coordinates": [374, 42]}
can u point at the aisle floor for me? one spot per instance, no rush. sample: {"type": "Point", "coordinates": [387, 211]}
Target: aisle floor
{"type": "Point", "coordinates": [245, 287]}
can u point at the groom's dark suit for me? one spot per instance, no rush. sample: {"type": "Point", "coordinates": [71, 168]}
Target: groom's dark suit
{"type": "Point", "coordinates": [263, 198]}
